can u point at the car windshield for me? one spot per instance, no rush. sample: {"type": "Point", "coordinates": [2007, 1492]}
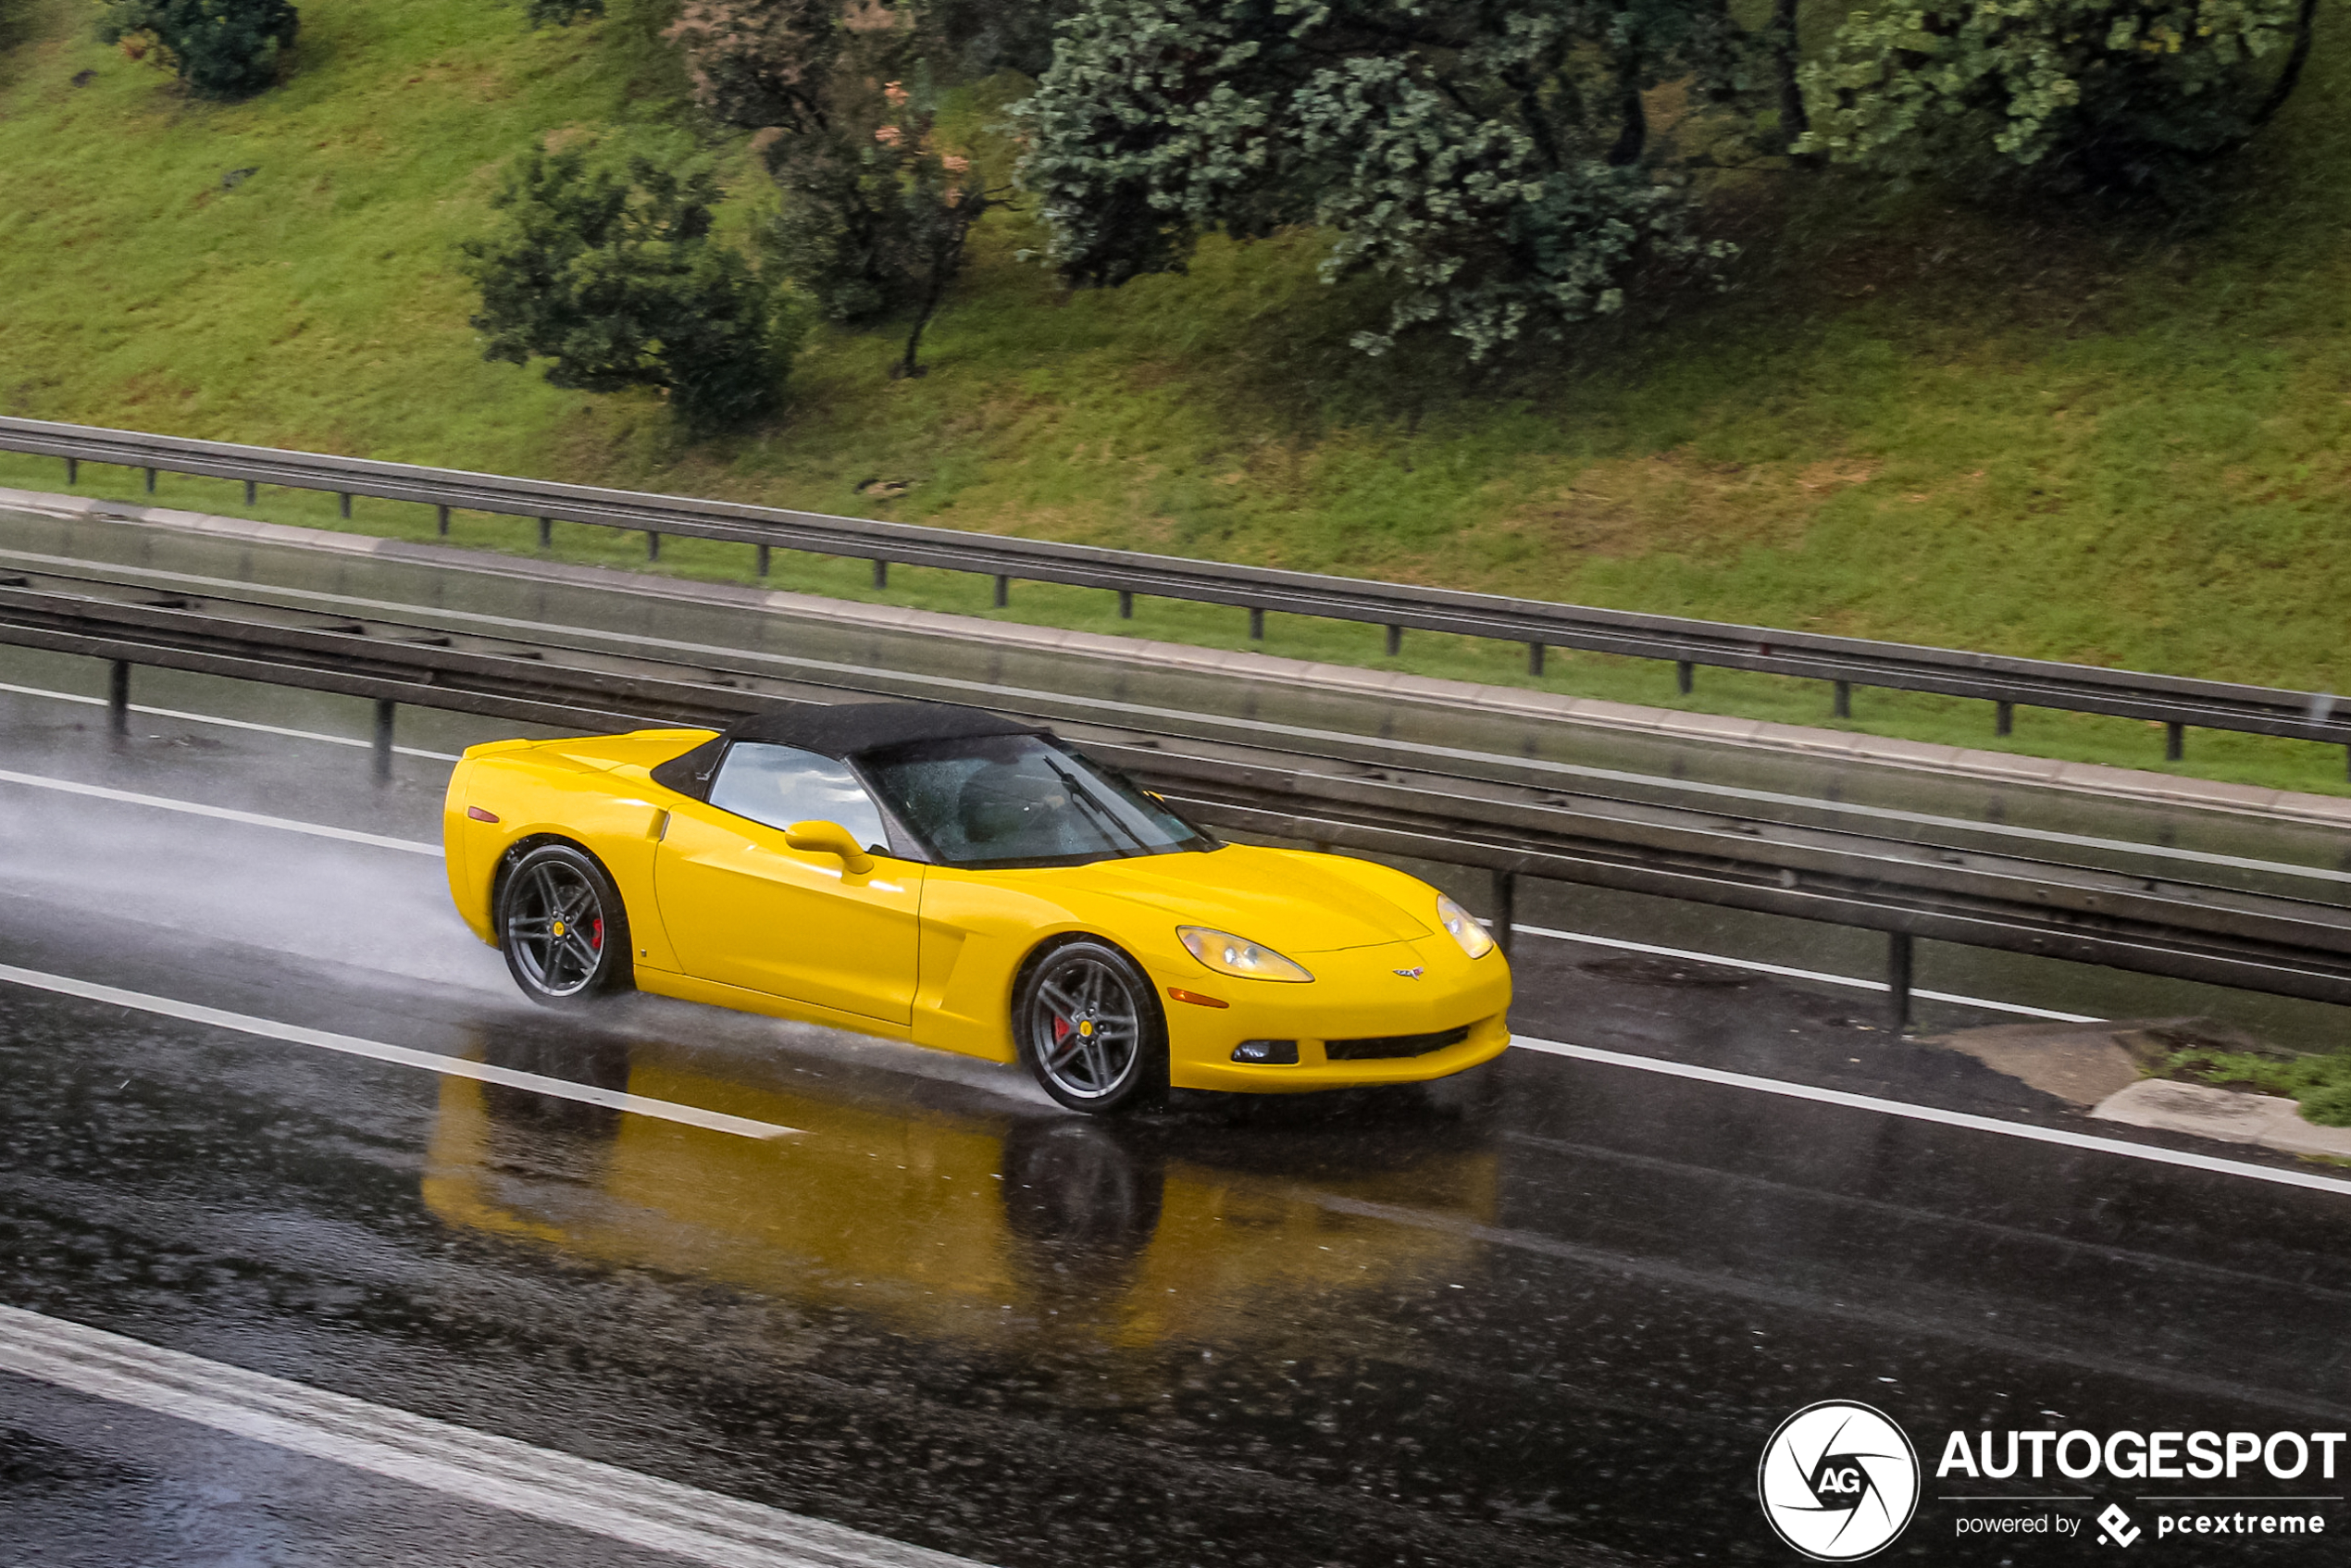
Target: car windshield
{"type": "Point", "coordinates": [1021, 800]}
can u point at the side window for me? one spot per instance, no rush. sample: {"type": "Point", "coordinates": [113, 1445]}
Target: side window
{"type": "Point", "coordinates": [781, 785]}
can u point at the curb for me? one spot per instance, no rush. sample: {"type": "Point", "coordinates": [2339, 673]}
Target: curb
{"type": "Point", "coordinates": [2001, 767]}
{"type": "Point", "coordinates": [2268, 1121]}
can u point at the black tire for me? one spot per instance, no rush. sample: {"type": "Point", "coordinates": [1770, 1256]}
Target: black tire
{"type": "Point", "coordinates": [562, 927]}
{"type": "Point", "coordinates": [1075, 1190]}
{"type": "Point", "coordinates": [1089, 1029]}
{"type": "Point", "coordinates": [557, 1051]}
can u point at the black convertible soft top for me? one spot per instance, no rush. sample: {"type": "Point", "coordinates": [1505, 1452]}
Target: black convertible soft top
{"type": "Point", "coordinates": [839, 729]}
{"type": "Point", "coordinates": [844, 729]}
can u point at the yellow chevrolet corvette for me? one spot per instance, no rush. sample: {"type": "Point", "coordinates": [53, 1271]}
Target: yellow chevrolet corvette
{"type": "Point", "coordinates": [937, 874]}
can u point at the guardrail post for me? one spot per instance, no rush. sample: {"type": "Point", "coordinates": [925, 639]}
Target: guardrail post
{"type": "Point", "coordinates": [2003, 717]}
{"type": "Point", "coordinates": [763, 560]}
{"type": "Point", "coordinates": [1505, 909]}
{"type": "Point", "coordinates": [1684, 674]}
{"type": "Point", "coordinates": [2175, 742]}
{"type": "Point", "coordinates": [385, 708]}
{"type": "Point", "coordinates": [546, 534]}
{"type": "Point", "coordinates": [1003, 591]}
{"type": "Point", "coordinates": [881, 574]}
{"type": "Point", "coordinates": [1256, 625]}
{"type": "Point", "coordinates": [151, 481]}
{"type": "Point", "coordinates": [652, 545]}
{"type": "Point", "coordinates": [1897, 978]}
{"type": "Point", "coordinates": [441, 521]}
{"type": "Point", "coordinates": [1395, 641]}
{"type": "Point", "coordinates": [250, 487]}
{"type": "Point", "coordinates": [1534, 658]}
{"type": "Point", "coordinates": [73, 471]}
{"type": "Point", "coordinates": [343, 502]}
{"type": "Point", "coordinates": [118, 698]}
{"type": "Point", "coordinates": [1126, 606]}
{"type": "Point", "coordinates": [1844, 701]}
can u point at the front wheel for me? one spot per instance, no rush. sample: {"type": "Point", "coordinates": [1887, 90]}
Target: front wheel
{"type": "Point", "coordinates": [1089, 1027]}
{"type": "Point", "coordinates": [562, 927]}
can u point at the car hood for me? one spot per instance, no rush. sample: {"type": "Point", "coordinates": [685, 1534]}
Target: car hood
{"type": "Point", "coordinates": [1292, 903]}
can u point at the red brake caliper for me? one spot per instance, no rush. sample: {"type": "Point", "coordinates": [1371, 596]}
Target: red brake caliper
{"type": "Point", "coordinates": [596, 933]}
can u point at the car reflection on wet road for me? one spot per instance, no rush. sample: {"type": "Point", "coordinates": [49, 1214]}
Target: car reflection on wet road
{"type": "Point", "coordinates": [1033, 1237]}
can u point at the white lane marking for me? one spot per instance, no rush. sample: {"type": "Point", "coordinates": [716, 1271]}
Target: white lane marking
{"type": "Point", "coordinates": [1762, 968]}
{"type": "Point", "coordinates": [500, 1473]}
{"type": "Point", "coordinates": [400, 1055]}
{"type": "Point", "coordinates": [192, 808]}
{"type": "Point", "coordinates": [1931, 1114]}
{"type": "Point", "coordinates": [1419, 748]}
{"type": "Point", "coordinates": [225, 723]}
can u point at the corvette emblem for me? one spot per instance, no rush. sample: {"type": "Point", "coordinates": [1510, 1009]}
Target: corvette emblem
{"type": "Point", "coordinates": [1413, 972]}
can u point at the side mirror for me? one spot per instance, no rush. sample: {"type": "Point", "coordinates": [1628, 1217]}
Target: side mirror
{"type": "Point", "coordinates": [829, 838]}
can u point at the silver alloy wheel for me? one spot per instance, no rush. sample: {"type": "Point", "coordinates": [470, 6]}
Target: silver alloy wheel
{"type": "Point", "coordinates": [1085, 1027]}
{"type": "Point", "coordinates": [556, 928]}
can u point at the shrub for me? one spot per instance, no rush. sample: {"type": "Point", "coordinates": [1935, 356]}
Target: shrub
{"type": "Point", "coordinates": [220, 48]}
{"type": "Point", "coordinates": [605, 266]}
{"type": "Point", "coordinates": [560, 13]}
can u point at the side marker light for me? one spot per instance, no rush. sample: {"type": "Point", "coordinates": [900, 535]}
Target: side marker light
{"type": "Point", "coordinates": [1180, 994]}
{"type": "Point", "coordinates": [481, 815]}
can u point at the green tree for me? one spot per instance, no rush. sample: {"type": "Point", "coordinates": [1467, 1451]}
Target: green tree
{"type": "Point", "coordinates": [876, 213]}
{"type": "Point", "coordinates": [1492, 158]}
{"type": "Point", "coordinates": [605, 266]}
{"type": "Point", "coordinates": [2096, 93]}
{"type": "Point", "coordinates": [808, 78]}
{"type": "Point", "coordinates": [220, 48]}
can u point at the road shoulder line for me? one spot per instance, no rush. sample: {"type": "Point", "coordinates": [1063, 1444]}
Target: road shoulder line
{"type": "Point", "coordinates": [1848, 1101]}
{"type": "Point", "coordinates": [398, 1055]}
{"type": "Point", "coordinates": [1759, 967]}
{"type": "Point", "coordinates": [500, 1472]}
{"type": "Point", "coordinates": [220, 814]}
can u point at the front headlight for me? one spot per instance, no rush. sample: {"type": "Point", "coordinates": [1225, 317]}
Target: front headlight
{"type": "Point", "coordinates": [1457, 921]}
{"type": "Point", "coordinates": [1229, 954]}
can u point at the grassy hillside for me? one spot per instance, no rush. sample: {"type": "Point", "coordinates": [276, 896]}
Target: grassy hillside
{"type": "Point", "coordinates": [1910, 418]}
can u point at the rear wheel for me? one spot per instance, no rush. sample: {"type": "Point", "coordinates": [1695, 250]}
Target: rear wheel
{"type": "Point", "coordinates": [562, 927]}
{"type": "Point", "coordinates": [1089, 1029]}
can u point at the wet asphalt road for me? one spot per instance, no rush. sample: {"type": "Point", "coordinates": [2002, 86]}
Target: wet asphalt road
{"type": "Point", "coordinates": [1550, 1319]}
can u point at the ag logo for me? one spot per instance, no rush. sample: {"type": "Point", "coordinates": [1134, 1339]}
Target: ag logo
{"type": "Point", "coordinates": [1838, 1481]}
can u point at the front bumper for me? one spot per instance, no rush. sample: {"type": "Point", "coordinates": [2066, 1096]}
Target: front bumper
{"type": "Point", "coordinates": [1356, 994]}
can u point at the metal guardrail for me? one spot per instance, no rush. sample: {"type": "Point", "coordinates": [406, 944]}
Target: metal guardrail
{"type": "Point", "coordinates": [2176, 702]}
{"type": "Point", "coordinates": [1512, 828]}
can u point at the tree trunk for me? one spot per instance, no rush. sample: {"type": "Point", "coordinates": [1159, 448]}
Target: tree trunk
{"type": "Point", "coordinates": [2304, 25]}
{"type": "Point", "coordinates": [1793, 121]}
{"type": "Point", "coordinates": [908, 365]}
{"type": "Point", "coordinates": [1636, 134]}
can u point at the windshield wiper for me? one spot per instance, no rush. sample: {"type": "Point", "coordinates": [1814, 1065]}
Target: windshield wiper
{"type": "Point", "coordinates": [1101, 813]}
